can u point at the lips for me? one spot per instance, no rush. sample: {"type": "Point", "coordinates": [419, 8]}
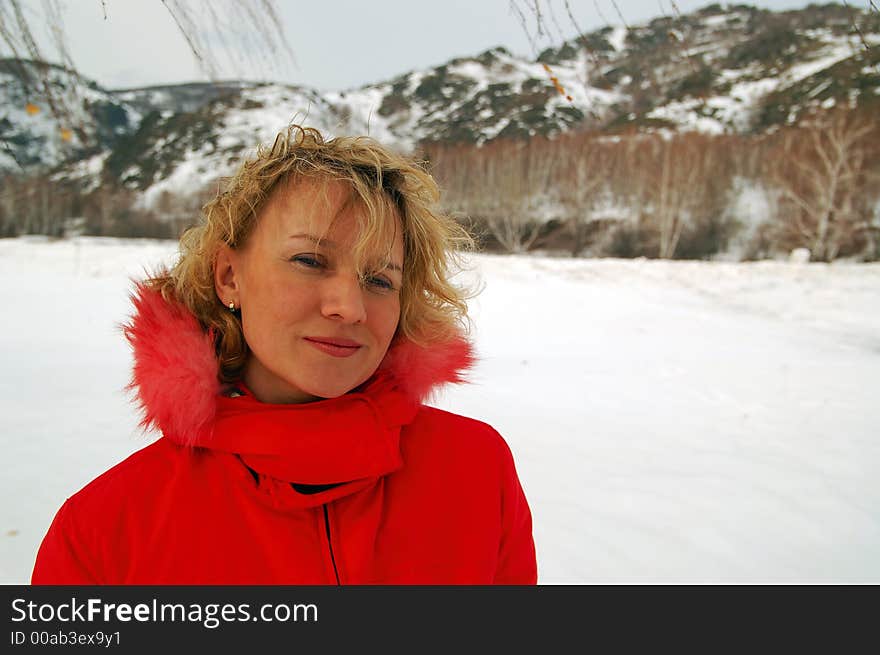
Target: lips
{"type": "Point", "coordinates": [334, 346]}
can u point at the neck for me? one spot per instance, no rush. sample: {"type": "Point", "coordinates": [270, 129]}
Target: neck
{"type": "Point", "coordinates": [267, 388]}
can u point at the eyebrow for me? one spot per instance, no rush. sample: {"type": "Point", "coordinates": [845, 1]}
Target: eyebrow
{"type": "Point", "coordinates": [331, 244]}
{"type": "Point", "coordinates": [312, 237]}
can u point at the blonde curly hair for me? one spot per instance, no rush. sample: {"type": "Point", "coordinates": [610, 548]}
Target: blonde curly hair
{"type": "Point", "coordinates": [432, 308]}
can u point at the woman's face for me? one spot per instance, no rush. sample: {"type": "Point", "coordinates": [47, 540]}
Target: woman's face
{"type": "Point", "coordinates": [315, 329]}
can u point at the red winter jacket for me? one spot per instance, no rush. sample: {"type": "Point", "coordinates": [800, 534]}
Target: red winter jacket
{"type": "Point", "coordinates": [243, 492]}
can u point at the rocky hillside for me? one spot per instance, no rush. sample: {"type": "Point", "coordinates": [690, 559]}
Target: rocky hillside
{"type": "Point", "coordinates": [722, 69]}
{"type": "Point", "coordinates": [40, 131]}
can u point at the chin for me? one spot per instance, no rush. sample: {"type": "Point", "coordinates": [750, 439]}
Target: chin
{"type": "Point", "coordinates": [332, 388]}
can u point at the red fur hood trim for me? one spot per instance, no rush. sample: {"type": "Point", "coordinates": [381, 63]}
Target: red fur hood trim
{"type": "Point", "coordinates": [175, 369]}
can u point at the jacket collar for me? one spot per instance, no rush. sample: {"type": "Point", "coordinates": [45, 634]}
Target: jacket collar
{"type": "Point", "coordinates": [348, 441]}
{"type": "Point", "coordinates": [175, 379]}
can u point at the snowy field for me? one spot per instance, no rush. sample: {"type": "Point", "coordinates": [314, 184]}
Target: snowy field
{"type": "Point", "coordinates": [672, 422]}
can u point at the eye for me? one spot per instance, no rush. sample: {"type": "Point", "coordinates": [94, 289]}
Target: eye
{"type": "Point", "coordinates": [379, 282]}
{"type": "Point", "coordinates": [308, 261]}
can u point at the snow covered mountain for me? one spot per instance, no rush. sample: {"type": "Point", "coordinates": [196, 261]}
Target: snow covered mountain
{"type": "Point", "coordinates": [722, 69]}
{"type": "Point", "coordinates": [39, 129]}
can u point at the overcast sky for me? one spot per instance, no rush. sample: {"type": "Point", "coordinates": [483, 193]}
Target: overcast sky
{"type": "Point", "coordinates": [337, 44]}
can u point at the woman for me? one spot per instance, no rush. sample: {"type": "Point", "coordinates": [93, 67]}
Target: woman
{"type": "Point", "coordinates": [285, 359]}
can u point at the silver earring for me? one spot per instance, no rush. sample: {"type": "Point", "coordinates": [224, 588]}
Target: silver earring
{"type": "Point", "coordinates": [231, 306]}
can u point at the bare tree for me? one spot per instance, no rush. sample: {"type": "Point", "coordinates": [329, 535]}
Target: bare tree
{"type": "Point", "coordinates": [662, 173]}
{"type": "Point", "coordinates": [506, 184]}
{"type": "Point", "coordinates": [677, 179]}
{"type": "Point", "coordinates": [181, 209]}
{"type": "Point", "coordinates": [34, 204]}
{"type": "Point", "coordinates": [824, 173]}
{"type": "Point", "coordinates": [678, 187]}
{"type": "Point", "coordinates": [580, 176]}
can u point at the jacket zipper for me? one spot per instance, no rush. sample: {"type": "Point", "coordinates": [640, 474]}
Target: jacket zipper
{"type": "Point", "coordinates": [330, 544]}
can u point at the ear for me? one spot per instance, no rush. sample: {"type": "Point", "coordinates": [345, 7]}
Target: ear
{"type": "Point", "coordinates": [225, 276]}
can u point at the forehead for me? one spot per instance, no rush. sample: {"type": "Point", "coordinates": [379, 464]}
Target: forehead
{"type": "Point", "coordinates": [332, 210]}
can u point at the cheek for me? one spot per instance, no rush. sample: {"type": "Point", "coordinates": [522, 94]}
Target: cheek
{"type": "Point", "coordinates": [386, 317]}
{"type": "Point", "coordinates": [273, 314]}
{"type": "Point", "coordinates": [287, 298]}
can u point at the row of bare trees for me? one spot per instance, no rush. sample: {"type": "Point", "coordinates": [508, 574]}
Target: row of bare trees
{"type": "Point", "coordinates": [671, 196]}
{"type": "Point", "coordinates": [576, 181]}
{"type": "Point", "coordinates": [650, 195]}
{"type": "Point", "coordinates": [37, 204]}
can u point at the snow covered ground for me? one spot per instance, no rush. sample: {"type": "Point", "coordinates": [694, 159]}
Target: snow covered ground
{"type": "Point", "coordinates": [672, 422]}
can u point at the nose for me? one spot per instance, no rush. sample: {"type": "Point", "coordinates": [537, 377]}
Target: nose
{"type": "Point", "coordinates": [343, 298]}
